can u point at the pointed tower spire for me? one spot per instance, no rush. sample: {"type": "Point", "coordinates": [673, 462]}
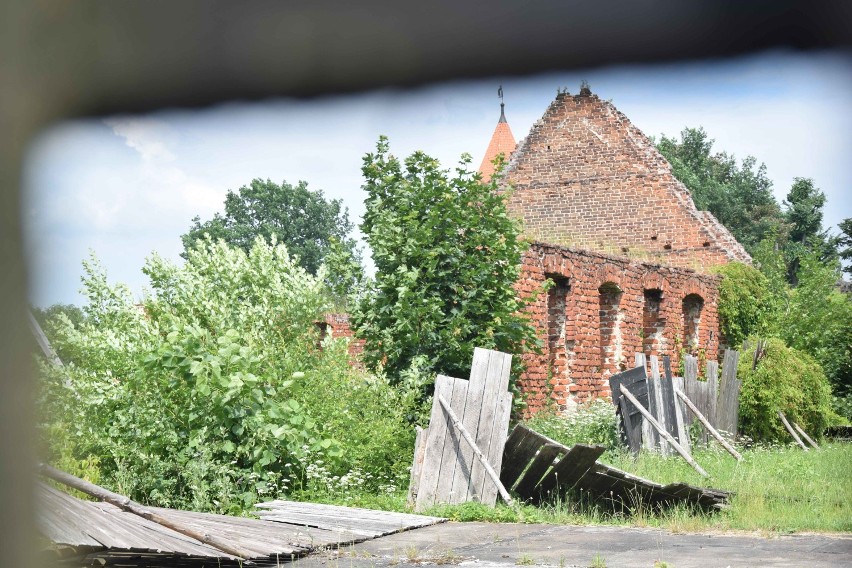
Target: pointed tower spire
{"type": "Point", "coordinates": [502, 142]}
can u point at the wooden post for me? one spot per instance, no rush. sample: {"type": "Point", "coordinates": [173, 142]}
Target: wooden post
{"type": "Point", "coordinates": [43, 342]}
{"type": "Point", "coordinates": [805, 435]}
{"type": "Point", "coordinates": [791, 431]}
{"type": "Point", "coordinates": [669, 438]}
{"type": "Point", "coordinates": [469, 439]}
{"type": "Point", "coordinates": [126, 504]}
{"type": "Point", "coordinates": [706, 424]}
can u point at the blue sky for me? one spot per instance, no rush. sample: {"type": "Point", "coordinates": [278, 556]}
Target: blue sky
{"type": "Point", "coordinates": [125, 186]}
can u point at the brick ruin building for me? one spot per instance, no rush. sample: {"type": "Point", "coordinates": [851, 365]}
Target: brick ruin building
{"type": "Point", "coordinates": [620, 238]}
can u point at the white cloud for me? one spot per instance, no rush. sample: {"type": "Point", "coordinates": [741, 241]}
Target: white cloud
{"type": "Point", "coordinates": [150, 137]}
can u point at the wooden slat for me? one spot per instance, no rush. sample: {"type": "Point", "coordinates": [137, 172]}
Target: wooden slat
{"type": "Point", "coordinates": [667, 391]}
{"type": "Point", "coordinates": [492, 385]}
{"type": "Point", "coordinates": [727, 410]}
{"type": "Point", "coordinates": [630, 420]}
{"type": "Point", "coordinates": [457, 459]}
{"type": "Point", "coordinates": [568, 471]}
{"type": "Point", "coordinates": [680, 413]}
{"type": "Point", "coordinates": [515, 459]}
{"type": "Point", "coordinates": [503, 414]}
{"type": "Point", "coordinates": [438, 428]}
{"type": "Point", "coordinates": [417, 463]}
{"type": "Point", "coordinates": [542, 462]}
{"type": "Point", "coordinates": [659, 413]}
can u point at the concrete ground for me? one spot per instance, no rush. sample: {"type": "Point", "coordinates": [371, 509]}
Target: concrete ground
{"type": "Point", "coordinates": [492, 545]}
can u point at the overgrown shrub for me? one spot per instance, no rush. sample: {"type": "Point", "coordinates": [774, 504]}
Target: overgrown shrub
{"type": "Point", "coordinates": [745, 306]}
{"type": "Point", "coordinates": [785, 380]}
{"type": "Point", "coordinates": [447, 256]}
{"type": "Point", "coordinates": [592, 423]}
{"type": "Point", "coordinates": [214, 392]}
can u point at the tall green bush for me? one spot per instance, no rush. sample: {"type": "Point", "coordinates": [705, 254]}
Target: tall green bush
{"type": "Point", "coordinates": [786, 380]}
{"type": "Point", "coordinates": [745, 303]}
{"type": "Point", "coordinates": [215, 392]}
{"type": "Point", "coordinates": [447, 257]}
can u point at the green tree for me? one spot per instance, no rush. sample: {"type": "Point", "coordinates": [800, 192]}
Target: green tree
{"type": "Point", "coordinates": [447, 256]}
{"type": "Point", "coordinates": [215, 392]}
{"type": "Point", "coordinates": [844, 244]}
{"type": "Point", "coordinates": [739, 196]}
{"type": "Point", "coordinates": [301, 219]}
{"type": "Point", "coordinates": [804, 213]}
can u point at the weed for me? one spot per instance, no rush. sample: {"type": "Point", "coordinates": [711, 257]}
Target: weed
{"type": "Point", "coordinates": [524, 560]}
{"type": "Point", "coordinates": [598, 562]}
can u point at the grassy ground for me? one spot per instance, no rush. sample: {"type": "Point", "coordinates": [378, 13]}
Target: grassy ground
{"type": "Point", "coordinates": [776, 490]}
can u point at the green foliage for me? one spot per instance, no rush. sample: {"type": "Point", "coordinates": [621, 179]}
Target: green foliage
{"type": "Point", "coordinates": [745, 303]}
{"type": "Point", "coordinates": [301, 219]}
{"type": "Point", "coordinates": [214, 392]}
{"type": "Point", "coordinates": [739, 196]}
{"type": "Point", "coordinates": [814, 316]}
{"type": "Point", "coordinates": [785, 380]}
{"type": "Point", "coordinates": [844, 243]}
{"type": "Point", "coordinates": [447, 256]}
{"type": "Point", "coordinates": [593, 423]}
{"type": "Point", "coordinates": [49, 319]}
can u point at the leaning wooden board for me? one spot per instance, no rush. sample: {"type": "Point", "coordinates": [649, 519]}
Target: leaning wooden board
{"type": "Point", "coordinates": [449, 469]}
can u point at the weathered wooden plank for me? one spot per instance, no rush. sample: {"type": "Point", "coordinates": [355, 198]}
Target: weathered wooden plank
{"type": "Point", "coordinates": [417, 463]}
{"type": "Point", "coordinates": [631, 422]}
{"type": "Point", "coordinates": [727, 410]}
{"type": "Point", "coordinates": [708, 426]}
{"type": "Point", "coordinates": [496, 382]}
{"type": "Point", "coordinates": [662, 431]}
{"type": "Point", "coordinates": [667, 390]}
{"type": "Point", "coordinates": [515, 464]}
{"type": "Point", "coordinates": [457, 459]}
{"type": "Point", "coordinates": [791, 431]}
{"type": "Point", "coordinates": [470, 414]}
{"type": "Point", "coordinates": [712, 375]}
{"type": "Point", "coordinates": [542, 462]}
{"type": "Point", "coordinates": [680, 411]}
{"type": "Point", "coordinates": [569, 470]}
{"type": "Point", "coordinates": [503, 414]}
{"type": "Point", "coordinates": [438, 427]}
{"type": "Point", "coordinates": [659, 413]}
{"type": "Point", "coordinates": [483, 460]}
{"type": "Point", "coordinates": [805, 435]}
{"type": "Point", "coordinates": [648, 441]}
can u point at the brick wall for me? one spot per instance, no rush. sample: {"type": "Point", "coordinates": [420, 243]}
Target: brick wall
{"type": "Point", "coordinates": [601, 311]}
{"type": "Point", "coordinates": [338, 326]}
{"type": "Point", "coordinates": [585, 177]}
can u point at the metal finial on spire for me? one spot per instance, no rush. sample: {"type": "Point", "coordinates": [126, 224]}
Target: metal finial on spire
{"type": "Point", "coordinates": [502, 105]}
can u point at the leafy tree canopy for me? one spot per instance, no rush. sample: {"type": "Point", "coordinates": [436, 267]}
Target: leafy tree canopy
{"type": "Point", "coordinates": [302, 219]}
{"type": "Point", "coordinates": [738, 195]}
{"type": "Point", "coordinates": [844, 243]}
{"type": "Point", "coordinates": [447, 256]}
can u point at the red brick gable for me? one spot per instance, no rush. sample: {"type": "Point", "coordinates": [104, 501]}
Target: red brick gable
{"type": "Point", "coordinates": [587, 178]}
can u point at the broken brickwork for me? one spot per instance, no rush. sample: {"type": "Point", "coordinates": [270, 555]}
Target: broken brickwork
{"type": "Point", "coordinates": [585, 177]}
{"type": "Point", "coordinates": [338, 326]}
{"type": "Point", "coordinates": [601, 310]}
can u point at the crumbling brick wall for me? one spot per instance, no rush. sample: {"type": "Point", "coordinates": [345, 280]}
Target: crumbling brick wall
{"type": "Point", "coordinates": [603, 309]}
{"type": "Point", "coordinates": [585, 177]}
{"type": "Point", "coordinates": [338, 326]}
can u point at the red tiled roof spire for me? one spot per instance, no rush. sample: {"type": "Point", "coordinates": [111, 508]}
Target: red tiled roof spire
{"type": "Point", "coordinates": [502, 142]}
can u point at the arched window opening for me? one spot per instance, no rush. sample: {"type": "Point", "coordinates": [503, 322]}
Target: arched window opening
{"type": "Point", "coordinates": [653, 323]}
{"type": "Point", "coordinates": [693, 304]}
{"type": "Point", "coordinates": [611, 344]}
{"type": "Point", "coordinates": [560, 349]}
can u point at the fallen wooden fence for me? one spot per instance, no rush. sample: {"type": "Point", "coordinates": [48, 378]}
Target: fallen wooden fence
{"type": "Point", "coordinates": [538, 468]}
